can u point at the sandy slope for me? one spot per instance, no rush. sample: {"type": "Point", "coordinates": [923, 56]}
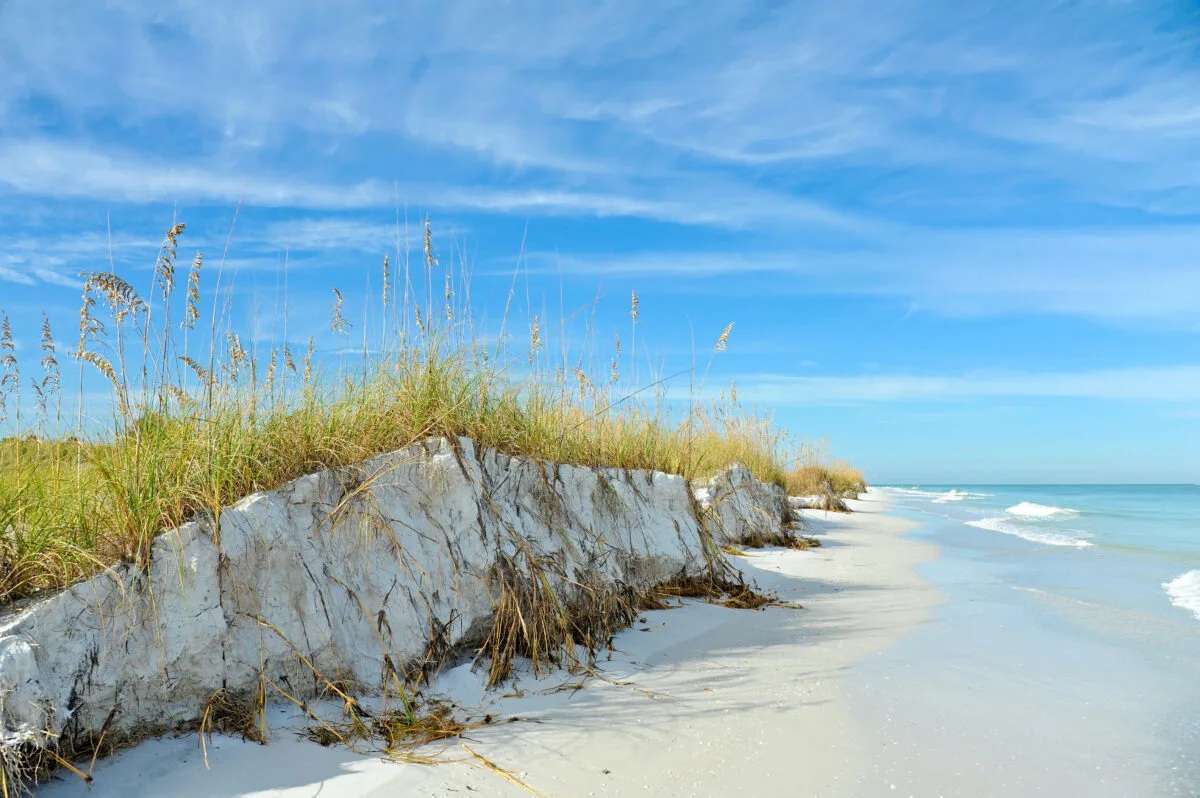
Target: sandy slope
{"type": "Point", "coordinates": [701, 700]}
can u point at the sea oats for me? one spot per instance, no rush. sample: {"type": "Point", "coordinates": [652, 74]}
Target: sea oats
{"type": "Point", "coordinates": [49, 360]}
{"type": "Point", "coordinates": [51, 377]}
{"type": "Point", "coordinates": [338, 323]}
{"type": "Point", "coordinates": [308, 356]}
{"type": "Point", "coordinates": [430, 256]}
{"type": "Point", "coordinates": [164, 270]}
{"type": "Point", "coordinates": [724, 339]}
{"type": "Point", "coordinates": [237, 354]}
{"type": "Point", "coordinates": [535, 340]}
{"type": "Point", "coordinates": [101, 364]}
{"type": "Point", "coordinates": [11, 379]}
{"type": "Point", "coordinates": [122, 298]}
{"type": "Point", "coordinates": [198, 370]}
{"type": "Point", "coordinates": [90, 328]}
{"type": "Point", "coordinates": [191, 311]}
{"type": "Point", "coordinates": [8, 354]}
{"type": "Point", "coordinates": [270, 383]}
{"type": "Point", "coordinates": [387, 281]}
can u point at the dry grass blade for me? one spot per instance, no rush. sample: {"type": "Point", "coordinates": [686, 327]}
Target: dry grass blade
{"type": "Point", "coordinates": [501, 772]}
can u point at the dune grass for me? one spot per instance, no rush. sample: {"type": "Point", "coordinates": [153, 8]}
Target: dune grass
{"type": "Point", "coordinates": [200, 418]}
{"type": "Point", "coordinates": [817, 475]}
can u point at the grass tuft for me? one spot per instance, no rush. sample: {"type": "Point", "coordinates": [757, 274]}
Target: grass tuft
{"type": "Point", "coordinates": [817, 475]}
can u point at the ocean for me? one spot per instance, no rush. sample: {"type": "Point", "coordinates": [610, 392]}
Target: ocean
{"type": "Point", "coordinates": [1064, 659]}
{"type": "Point", "coordinates": [1132, 547]}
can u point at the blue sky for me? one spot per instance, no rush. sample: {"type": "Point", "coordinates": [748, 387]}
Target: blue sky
{"type": "Point", "coordinates": [959, 240]}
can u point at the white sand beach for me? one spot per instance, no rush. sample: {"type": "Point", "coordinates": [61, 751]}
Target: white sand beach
{"type": "Point", "coordinates": [699, 700]}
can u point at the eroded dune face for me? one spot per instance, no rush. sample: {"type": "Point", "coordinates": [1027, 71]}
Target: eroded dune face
{"type": "Point", "coordinates": [348, 578]}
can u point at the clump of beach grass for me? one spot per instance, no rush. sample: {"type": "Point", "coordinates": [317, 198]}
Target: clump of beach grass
{"type": "Point", "coordinates": [815, 473]}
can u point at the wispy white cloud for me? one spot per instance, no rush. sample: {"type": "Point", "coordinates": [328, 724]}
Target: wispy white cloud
{"type": "Point", "coordinates": [1144, 274]}
{"type": "Point", "coordinates": [67, 170]}
{"type": "Point", "coordinates": [881, 125]}
{"type": "Point", "coordinates": [360, 235]}
{"type": "Point", "coordinates": [41, 167]}
{"type": "Point", "coordinates": [16, 276]}
{"type": "Point", "coordinates": [53, 277]}
{"type": "Point", "coordinates": [1096, 100]}
{"type": "Point", "coordinates": [1159, 384]}
{"type": "Point", "coordinates": [56, 258]}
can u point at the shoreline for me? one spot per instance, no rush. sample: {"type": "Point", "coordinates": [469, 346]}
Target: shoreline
{"type": "Point", "coordinates": [698, 700]}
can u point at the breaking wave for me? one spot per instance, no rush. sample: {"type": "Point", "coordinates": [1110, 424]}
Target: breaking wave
{"type": "Point", "coordinates": [1032, 534]}
{"type": "Point", "coordinates": [1035, 510]}
{"type": "Point", "coordinates": [1185, 592]}
{"type": "Point", "coordinates": [940, 497]}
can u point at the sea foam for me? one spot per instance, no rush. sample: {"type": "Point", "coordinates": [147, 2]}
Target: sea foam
{"type": "Point", "coordinates": [1185, 592]}
{"type": "Point", "coordinates": [936, 497]}
{"type": "Point", "coordinates": [1032, 534]}
{"type": "Point", "coordinates": [1035, 510]}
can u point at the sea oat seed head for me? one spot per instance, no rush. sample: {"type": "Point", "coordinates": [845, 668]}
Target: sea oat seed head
{"type": "Point", "coordinates": [724, 339]}
{"type": "Point", "coordinates": [387, 279]}
{"type": "Point", "coordinates": [338, 323]}
{"type": "Point", "coordinates": [535, 340]}
{"type": "Point", "coordinates": [191, 311]}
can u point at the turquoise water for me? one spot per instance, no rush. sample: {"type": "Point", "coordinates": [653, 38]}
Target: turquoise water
{"type": "Point", "coordinates": [1064, 660]}
{"type": "Point", "coordinates": [1131, 547]}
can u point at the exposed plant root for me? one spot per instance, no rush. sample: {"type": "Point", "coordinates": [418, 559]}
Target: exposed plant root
{"type": "Point", "coordinates": [396, 731]}
{"type": "Point", "coordinates": [653, 600]}
{"type": "Point", "coordinates": [21, 767]}
{"type": "Point", "coordinates": [227, 713]}
{"type": "Point", "coordinates": [528, 619]}
{"type": "Point", "coordinates": [24, 767]}
{"type": "Point", "coordinates": [733, 593]}
{"type": "Point", "coordinates": [531, 621]}
{"type": "Point", "coordinates": [784, 537]}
